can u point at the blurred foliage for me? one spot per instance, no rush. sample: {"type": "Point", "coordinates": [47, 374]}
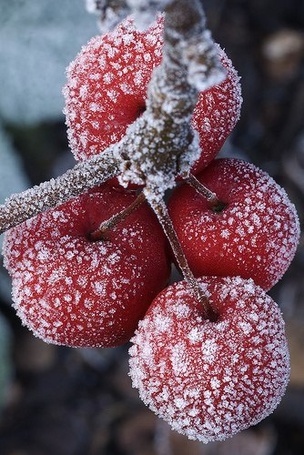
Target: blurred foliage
{"type": "Point", "coordinates": [5, 360]}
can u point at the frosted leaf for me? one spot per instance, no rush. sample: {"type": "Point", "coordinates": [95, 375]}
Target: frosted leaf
{"type": "Point", "coordinates": [5, 360]}
{"type": "Point", "coordinates": [95, 6]}
{"type": "Point", "coordinates": [210, 380]}
{"type": "Point", "coordinates": [12, 175]}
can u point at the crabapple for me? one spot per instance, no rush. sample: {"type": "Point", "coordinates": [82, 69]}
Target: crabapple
{"type": "Point", "coordinates": [254, 233]}
{"type": "Point", "coordinates": [106, 91]}
{"type": "Point", "coordinates": [210, 380]}
{"type": "Point", "coordinates": [71, 290]}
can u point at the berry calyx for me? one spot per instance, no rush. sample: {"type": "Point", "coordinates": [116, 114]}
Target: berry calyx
{"type": "Point", "coordinates": [210, 380]}
{"type": "Point", "coordinates": [106, 91]}
{"type": "Point", "coordinates": [74, 291]}
{"type": "Point", "coordinates": [252, 232]}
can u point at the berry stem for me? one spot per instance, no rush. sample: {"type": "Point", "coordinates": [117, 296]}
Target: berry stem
{"type": "Point", "coordinates": [161, 211]}
{"type": "Point", "coordinates": [201, 189]}
{"type": "Point", "coordinates": [215, 203]}
{"type": "Point", "coordinates": [100, 233]}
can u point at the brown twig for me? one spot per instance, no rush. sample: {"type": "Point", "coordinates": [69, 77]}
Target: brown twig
{"type": "Point", "coordinates": [105, 226]}
{"type": "Point", "coordinates": [83, 176]}
{"type": "Point", "coordinates": [201, 189]}
{"type": "Point", "coordinates": [160, 144]}
{"type": "Point", "coordinates": [215, 203]}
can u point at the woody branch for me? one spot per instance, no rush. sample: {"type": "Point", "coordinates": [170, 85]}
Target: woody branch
{"type": "Point", "coordinates": [189, 65]}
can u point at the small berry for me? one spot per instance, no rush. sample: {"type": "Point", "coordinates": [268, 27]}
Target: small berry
{"type": "Point", "coordinates": [210, 380]}
{"type": "Point", "coordinates": [70, 290]}
{"type": "Point", "coordinates": [254, 233]}
{"type": "Point", "coordinates": [107, 87]}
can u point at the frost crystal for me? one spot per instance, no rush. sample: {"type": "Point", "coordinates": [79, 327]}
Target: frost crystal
{"type": "Point", "coordinates": [144, 11]}
{"type": "Point", "coordinates": [110, 12]}
{"type": "Point", "coordinates": [209, 380]}
{"type": "Point", "coordinates": [70, 290]}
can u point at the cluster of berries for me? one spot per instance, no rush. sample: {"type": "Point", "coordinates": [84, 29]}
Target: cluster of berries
{"type": "Point", "coordinates": [208, 378]}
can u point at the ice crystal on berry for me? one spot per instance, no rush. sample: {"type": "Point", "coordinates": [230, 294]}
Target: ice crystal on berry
{"type": "Point", "coordinates": [107, 83]}
{"type": "Point", "coordinates": [73, 291]}
{"type": "Point", "coordinates": [209, 380]}
{"type": "Point", "coordinates": [257, 233]}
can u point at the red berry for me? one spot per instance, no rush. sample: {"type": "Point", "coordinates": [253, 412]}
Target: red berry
{"type": "Point", "coordinates": [70, 290]}
{"type": "Point", "coordinates": [255, 235]}
{"type": "Point", "coordinates": [209, 380]}
{"type": "Point", "coordinates": [216, 114]}
{"type": "Point", "coordinates": [107, 86]}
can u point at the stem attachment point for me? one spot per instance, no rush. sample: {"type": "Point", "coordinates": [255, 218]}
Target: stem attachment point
{"type": "Point", "coordinates": [101, 232]}
{"type": "Point", "coordinates": [216, 205]}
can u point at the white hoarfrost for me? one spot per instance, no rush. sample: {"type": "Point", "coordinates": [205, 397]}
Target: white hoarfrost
{"type": "Point", "coordinates": [109, 15]}
{"type": "Point", "coordinates": [144, 11]}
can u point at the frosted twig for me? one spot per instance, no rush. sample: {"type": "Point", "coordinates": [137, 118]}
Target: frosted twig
{"type": "Point", "coordinates": [110, 12]}
{"type": "Point", "coordinates": [85, 175]}
{"type": "Point", "coordinates": [159, 145]}
{"type": "Point", "coordinates": [169, 145]}
{"type": "Point", "coordinates": [144, 11]}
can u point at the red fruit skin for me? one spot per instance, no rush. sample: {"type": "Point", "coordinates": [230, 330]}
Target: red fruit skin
{"type": "Point", "coordinates": [72, 291]}
{"type": "Point", "coordinates": [106, 86]}
{"type": "Point", "coordinates": [255, 236]}
{"type": "Point", "coordinates": [106, 91]}
{"type": "Point", "coordinates": [216, 114]}
{"type": "Point", "coordinates": [210, 380]}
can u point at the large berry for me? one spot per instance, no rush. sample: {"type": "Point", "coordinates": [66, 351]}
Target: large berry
{"type": "Point", "coordinates": [107, 87]}
{"type": "Point", "coordinates": [209, 380]}
{"type": "Point", "coordinates": [73, 291]}
{"type": "Point", "coordinates": [254, 233]}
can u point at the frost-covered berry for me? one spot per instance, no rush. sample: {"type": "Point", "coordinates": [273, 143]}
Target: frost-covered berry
{"type": "Point", "coordinates": [106, 91]}
{"type": "Point", "coordinates": [210, 380]}
{"type": "Point", "coordinates": [74, 291]}
{"type": "Point", "coordinates": [253, 234]}
{"type": "Point", "coordinates": [106, 85]}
